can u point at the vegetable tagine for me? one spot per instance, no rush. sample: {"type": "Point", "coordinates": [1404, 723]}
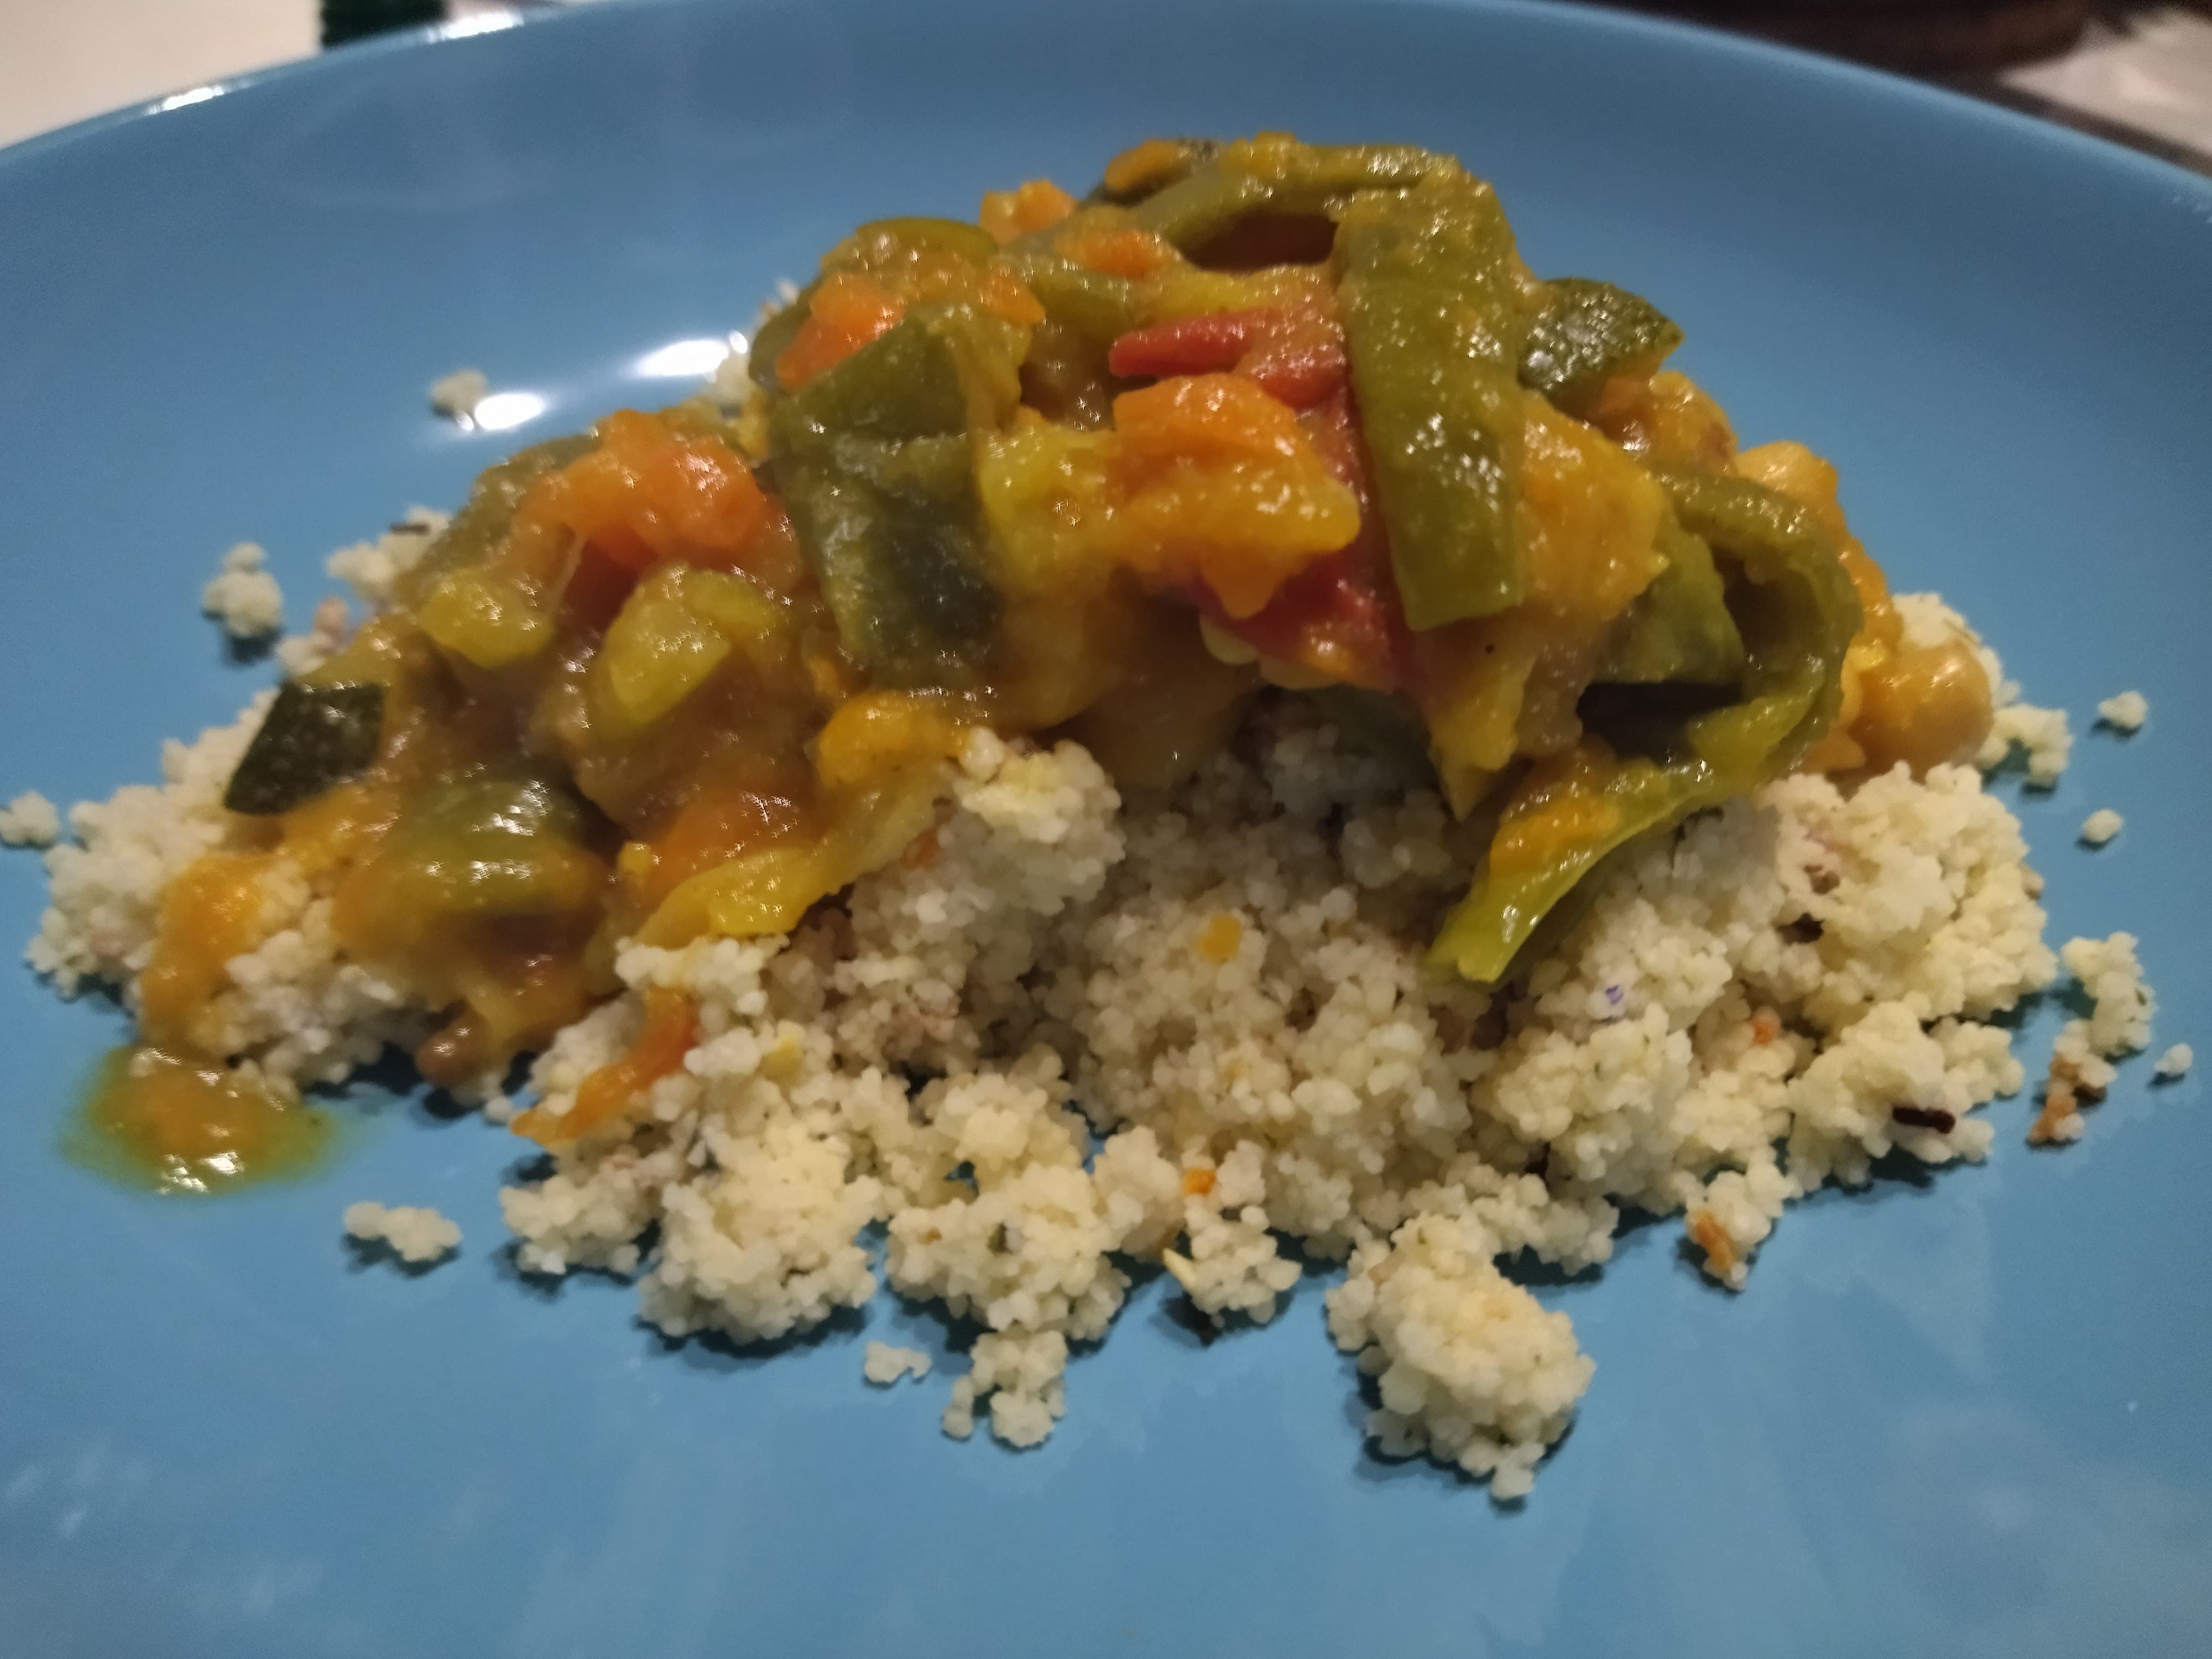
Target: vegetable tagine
{"type": "Point", "coordinates": [1251, 420]}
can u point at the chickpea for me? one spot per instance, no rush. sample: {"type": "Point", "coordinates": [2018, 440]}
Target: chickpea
{"type": "Point", "coordinates": [1926, 706]}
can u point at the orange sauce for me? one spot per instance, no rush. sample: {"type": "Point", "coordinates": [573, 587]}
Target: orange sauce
{"type": "Point", "coordinates": [1221, 938]}
{"type": "Point", "coordinates": [172, 1124]}
{"type": "Point", "coordinates": [210, 912]}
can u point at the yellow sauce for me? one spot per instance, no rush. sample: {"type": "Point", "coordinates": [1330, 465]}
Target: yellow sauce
{"type": "Point", "coordinates": [175, 1125]}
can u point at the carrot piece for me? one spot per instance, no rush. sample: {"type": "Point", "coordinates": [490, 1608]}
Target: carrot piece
{"type": "Point", "coordinates": [671, 1026]}
{"type": "Point", "coordinates": [1128, 253]}
{"type": "Point", "coordinates": [1038, 204]}
{"type": "Point", "coordinates": [647, 494]}
{"type": "Point", "coordinates": [1296, 357]}
{"type": "Point", "coordinates": [847, 311]}
{"type": "Point", "coordinates": [716, 825]}
{"type": "Point", "coordinates": [1721, 1256]}
{"type": "Point", "coordinates": [1006, 297]}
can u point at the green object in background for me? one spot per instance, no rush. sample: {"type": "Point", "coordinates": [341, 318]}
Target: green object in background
{"type": "Point", "coordinates": [354, 20]}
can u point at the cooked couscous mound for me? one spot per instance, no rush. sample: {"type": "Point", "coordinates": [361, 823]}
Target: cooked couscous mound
{"type": "Point", "coordinates": [2121, 1004]}
{"type": "Point", "coordinates": [2124, 713]}
{"type": "Point", "coordinates": [1091, 1032]}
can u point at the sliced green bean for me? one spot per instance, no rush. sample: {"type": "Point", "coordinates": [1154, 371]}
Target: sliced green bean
{"type": "Point", "coordinates": [1587, 333]}
{"type": "Point", "coordinates": [1433, 329]}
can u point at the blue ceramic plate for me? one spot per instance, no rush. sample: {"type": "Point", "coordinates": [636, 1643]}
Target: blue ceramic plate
{"type": "Point", "coordinates": [1971, 1415]}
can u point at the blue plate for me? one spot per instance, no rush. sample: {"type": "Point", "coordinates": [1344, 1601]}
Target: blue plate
{"type": "Point", "coordinates": [1966, 1416]}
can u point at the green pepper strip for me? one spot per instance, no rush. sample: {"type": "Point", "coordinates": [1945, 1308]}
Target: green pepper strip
{"type": "Point", "coordinates": [474, 531]}
{"type": "Point", "coordinates": [1486, 929]}
{"type": "Point", "coordinates": [1433, 327]}
{"type": "Point", "coordinates": [495, 845]}
{"type": "Point", "coordinates": [1306, 179]}
{"type": "Point", "coordinates": [1679, 629]}
{"type": "Point", "coordinates": [879, 244]}
{"type": "Point", "coordinates": [1085, 311]}
{"type": "Point", "coordinates": [1798, 612]}
{"type": "Point", "coordinates": [1088, 310]}
{"type": "Point", "coordinates": [874, 456]}
{"type": "Point", "coordinates": [1796, 609]}
{"type": "Point", "coordinates": [1587, 333]}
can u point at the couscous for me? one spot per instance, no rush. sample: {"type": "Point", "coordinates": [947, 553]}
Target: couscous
{"type": "Point", "coordinates": [414, 1234]}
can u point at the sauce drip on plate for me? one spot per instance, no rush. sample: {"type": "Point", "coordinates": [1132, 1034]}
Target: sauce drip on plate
{"type": "Point", "coordinates": [171, 1124]}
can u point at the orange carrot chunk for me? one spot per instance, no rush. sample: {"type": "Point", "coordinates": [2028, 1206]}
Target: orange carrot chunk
{"type": "Point", "coordinates": [671, 1026]}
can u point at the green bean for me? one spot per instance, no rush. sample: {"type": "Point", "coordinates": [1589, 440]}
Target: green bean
{"type": "Point", "coordinates": [1433, 329]}
{"type": "Point", "coordinates": [1587, 333]}
{"type": "Point", "coordinates": [1796, 612]}
{"type": "Point", "coordinates": [875, 456]}
{"type": "Point", "coordinates": [1679, 629]}
{"type": "Point", "coordinates": [474, 531]}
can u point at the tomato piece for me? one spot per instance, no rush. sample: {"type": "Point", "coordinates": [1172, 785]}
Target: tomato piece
{"type": "Point", "coordinates": [1196, 345]}
{"type": "Point", "coordinates": [1340, 616]}
{"type": "Point", "coordinates": [595, 593]}
{"type": "Point", "coordinates": [1296, 357]}
{"type": "Point", "coordinates": [1336, 619]}
{"type": "Point", "coordinates": [1302, 364]}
